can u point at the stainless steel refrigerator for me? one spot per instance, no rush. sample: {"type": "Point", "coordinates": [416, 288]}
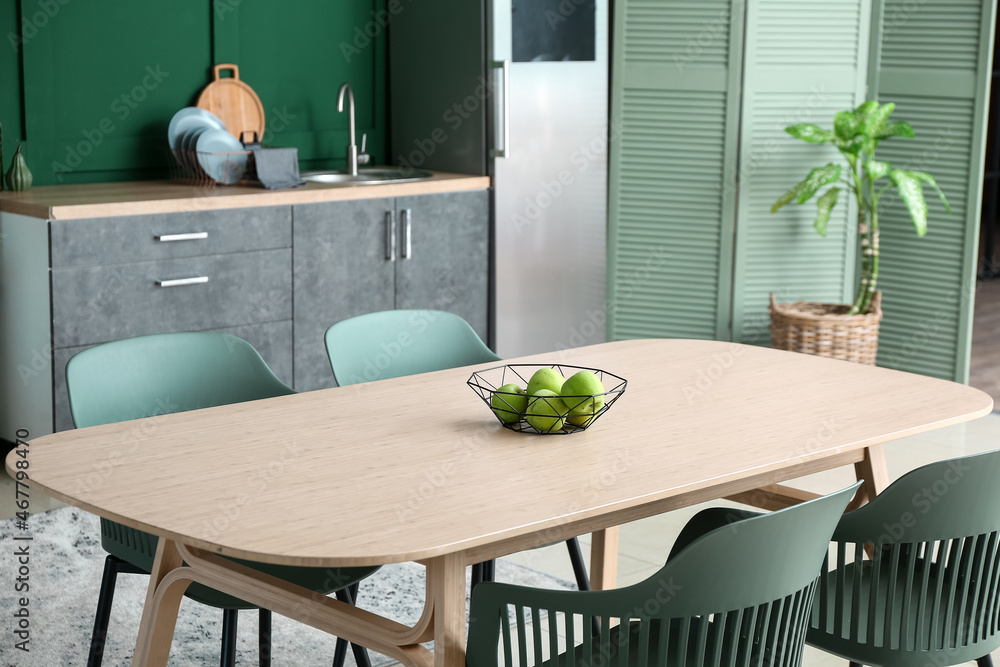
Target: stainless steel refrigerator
{"type": "Point", "coordinates": [518, 90]}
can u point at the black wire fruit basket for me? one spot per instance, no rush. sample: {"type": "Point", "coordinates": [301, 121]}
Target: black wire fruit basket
{"type": "Point", "coordinates": [544, 415]}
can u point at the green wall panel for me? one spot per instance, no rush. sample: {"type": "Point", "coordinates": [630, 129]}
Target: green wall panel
{"type": "Point", "coordinates": [805, 60]}
{"type": "Point", "coordinates": [102, 79]}
{"type": "Point", "coordinates": [672, 167]}
{"type": "Point", "coordinates": [934, 60]}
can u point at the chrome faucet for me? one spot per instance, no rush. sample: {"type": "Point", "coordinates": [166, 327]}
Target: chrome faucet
{"type": "Point", "coordinates": [353, 157]}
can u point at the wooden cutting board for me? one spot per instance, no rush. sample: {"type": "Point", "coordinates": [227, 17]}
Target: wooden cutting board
{"type": "Point", "coordinates": [234, 102]}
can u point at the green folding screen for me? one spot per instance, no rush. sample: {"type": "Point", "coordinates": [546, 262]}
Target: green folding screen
{"type": "Point", "coordinates": [933, 59]}
{"type": "Point", "coordinates": [802, 65]}
{"type": "Point", "coordinates": [674, 131]}
{"type": "Point", "coordinates": [701, 93]}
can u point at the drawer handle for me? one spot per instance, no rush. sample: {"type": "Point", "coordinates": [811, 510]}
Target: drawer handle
{"type": "Point", "coordinates": [178, 282]}
{"type": "Point", "coordinates": [190, 236]}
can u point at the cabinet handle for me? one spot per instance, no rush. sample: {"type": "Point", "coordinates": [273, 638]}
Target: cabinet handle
{"type": "Point", "coordinates": [504, 67]}
{"type": "Point", "coordinates": [178, 282]}
{"type": "Point", "coordinates": [390, 236]}
{"type": "Point", "coordinates": [407, 247]}
{"type": "Point", "coordinates": [190, 236]}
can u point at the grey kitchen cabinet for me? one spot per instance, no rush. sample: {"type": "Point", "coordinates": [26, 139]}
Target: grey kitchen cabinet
{"type": "Point", "coordinates": [276, 275]}
{"type": "Point", "coordinates": [417, 252]}
{"type": "Point", "coordinates": [66, 285]}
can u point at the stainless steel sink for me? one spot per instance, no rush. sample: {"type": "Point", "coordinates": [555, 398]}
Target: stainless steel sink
{"type": "Point", "coordinates": [368, 176]}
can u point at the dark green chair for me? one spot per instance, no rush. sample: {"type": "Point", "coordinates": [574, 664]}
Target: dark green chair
{"type": "Point", "coordinates": [735, 592]}
{"type": "Point", "coordinates": [929, 594]}
{"type": "Point", "coordinates": [396, 343]}
{"type": "Point", "coordinates": [161, 374]}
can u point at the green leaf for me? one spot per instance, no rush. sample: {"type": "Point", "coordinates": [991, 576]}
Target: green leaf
{"type": "Point", "coordinates": [927, 178]}
{"type": "Point", "coordinates": [866, 109]}
{"type": "Point", "coordinates": [816, 179]}
{"type": "Point", "coordinates": [787, 198]}
{"type": "Point", "coordinates": [814, 134]}
{"type": "Point", "coordinates": [876, 169]}
{"type": "Point", "coordinates": [911, 191]}
{"type": "Point", "coordinates": [897, 129]}
{"type": "Point", "coordinates": [874, 123]}
{"type": "Point", "coordinates": [854, 146]}
{"type": "Point", "coordinates": [845, 125]}
{"type": "Point", "coordinates": [824, 206]}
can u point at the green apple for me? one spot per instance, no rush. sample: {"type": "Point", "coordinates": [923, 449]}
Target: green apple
{"type": "Point", "coordinates": [545, 378]}
{"type": "Point", "coordinates": [583, 395]}
{"type": "Point", "coordinates": [509, 402]}
{"type": "Point", "coordinates": [546, 411]}
{"type": "Point", "coordinates": [581, 420]}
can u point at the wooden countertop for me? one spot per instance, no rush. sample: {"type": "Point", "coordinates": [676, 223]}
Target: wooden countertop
{"type": "Point", "coordinates": [98, 200]}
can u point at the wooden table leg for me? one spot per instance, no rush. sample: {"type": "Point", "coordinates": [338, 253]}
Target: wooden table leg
{"type": "Point", "coordinates": [604, 559]}
{"type": "Point", "coordinates": [446, 586]}
{"type": "Point", "coordinates": [872, 469]}
{"type": "Point", "coordinates": [159, 614]}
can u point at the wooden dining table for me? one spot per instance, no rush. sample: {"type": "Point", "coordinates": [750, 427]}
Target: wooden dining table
{"type": "Point", "coordinates": [418, 469]}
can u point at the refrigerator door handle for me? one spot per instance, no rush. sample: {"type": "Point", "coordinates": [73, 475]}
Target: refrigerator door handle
{"type": "Point", "coordinates": [390, 236]}
{"type": "Point", "coordinates": [504, 67]}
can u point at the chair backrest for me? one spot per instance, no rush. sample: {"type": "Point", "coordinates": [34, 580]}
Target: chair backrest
{"type": "Point", "coordinates": [394, 343]}
{"type": "Point", "coordinates": [738, 595]}
{"type": "Point", "coordinates": [165, 373]}
{"type": "Point", "coordinates": [921, 565]}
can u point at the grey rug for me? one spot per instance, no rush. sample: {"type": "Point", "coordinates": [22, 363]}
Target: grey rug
{"type": "Point", "coordinates": [65, 574]}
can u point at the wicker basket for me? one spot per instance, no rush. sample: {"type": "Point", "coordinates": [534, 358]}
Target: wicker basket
{"type": "Point", "coordinates": [826, 330]}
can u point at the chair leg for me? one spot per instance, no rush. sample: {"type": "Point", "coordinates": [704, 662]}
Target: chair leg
{"type": "Point", "coordinates": [579, 567]}
{"type": "Point", "coordinates": [360, 652]}
{"type": "Point", "coordinates": [230, 620]}
{"type": "Point", "coordinates": [855, 664]}
{"type": "Point", "coordinates": [477, 575]}
{"type": "Point", "coordinates": [490, 570]}
{"type": "Point", "coordinates": [985, 661]}
{"type": "Point", "coordinates": [103, 616]}
{"type": "Point", "coordinates": [264, 638]}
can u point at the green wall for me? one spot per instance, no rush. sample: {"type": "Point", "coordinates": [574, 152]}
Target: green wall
{"type": "Point", "coordinates": [89, 87]}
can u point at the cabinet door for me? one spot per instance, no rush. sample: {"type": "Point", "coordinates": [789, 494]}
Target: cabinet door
{"type": "Point", "coordinates": [443, 259]}
{"type": "Point", "coordinates": [341, 270]}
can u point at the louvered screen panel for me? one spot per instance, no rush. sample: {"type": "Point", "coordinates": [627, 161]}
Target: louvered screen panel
{"type": "Point", "coordinates": [935, 65]}
{"type": "Point", "coordinates": [673, 149]}
{"type": "Point", "coordinates": [805, 60]}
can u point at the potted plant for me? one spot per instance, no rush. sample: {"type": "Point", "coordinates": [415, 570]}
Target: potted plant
{"type": "Point", "coordinates": [850, 331]}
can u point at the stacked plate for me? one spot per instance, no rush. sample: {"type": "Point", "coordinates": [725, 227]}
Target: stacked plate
{"type": "Point", "coordinates": [204, 147]}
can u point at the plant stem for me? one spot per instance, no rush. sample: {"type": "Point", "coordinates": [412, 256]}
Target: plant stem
{"type": "Point", "coordinates": [867, 242]}
{"type": "Point", "coordinates": [873, 274]}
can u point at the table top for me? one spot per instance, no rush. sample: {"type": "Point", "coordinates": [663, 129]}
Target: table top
{"type": "Point", "coordinates": [417, 467]}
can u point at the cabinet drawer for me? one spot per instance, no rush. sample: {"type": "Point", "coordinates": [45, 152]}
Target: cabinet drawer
{"type": "Point", "coordinates": [148, 237]}
{"type": "Point", "coordinates": [96, 304]}
{"type": "Point", "coordinates": [272, 339]}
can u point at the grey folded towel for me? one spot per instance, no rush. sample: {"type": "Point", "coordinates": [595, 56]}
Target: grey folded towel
{"type": "Point", "coordinates": [277, 168]}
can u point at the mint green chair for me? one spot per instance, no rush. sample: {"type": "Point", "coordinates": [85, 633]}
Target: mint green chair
{"type": "Point", "coordinates": [930, 592]}
{"type": "Point", "coordinates": [735, 592]}
{"type": "Point", "coordinates": [396, 343]}
{"type": "Point", "coordinates": [160, 374]}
